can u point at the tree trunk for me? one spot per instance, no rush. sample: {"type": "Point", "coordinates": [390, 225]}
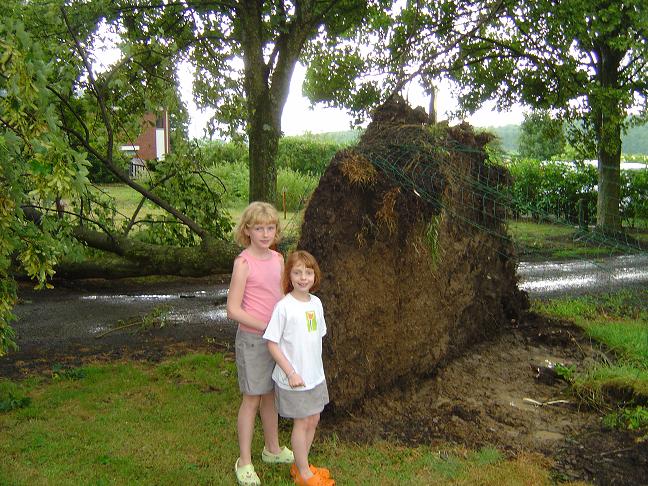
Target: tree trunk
{"type": "Point", "coordinates": [264, 136]}
{"type": "Point", "coordinates": [608, 120]}
{"type": "Point", "coordinates": [212, 256]}
{"type": "Point", "coordinates": [608, 217]}
{"type": "Point", "coordinates": [267, 81]}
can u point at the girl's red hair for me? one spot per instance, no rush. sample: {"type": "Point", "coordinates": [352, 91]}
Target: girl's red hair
{"type": "Point", "coordinates": [296, 257]}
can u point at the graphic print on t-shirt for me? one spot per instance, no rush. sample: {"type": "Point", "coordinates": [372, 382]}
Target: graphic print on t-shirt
{"type": "Point", "coordinates": [311, 322]}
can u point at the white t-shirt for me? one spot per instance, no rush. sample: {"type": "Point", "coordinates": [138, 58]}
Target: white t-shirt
{"type": "Point", "coordinates": [298, 328]}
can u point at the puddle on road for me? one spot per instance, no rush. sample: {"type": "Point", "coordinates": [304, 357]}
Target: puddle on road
{"type": "Point", "coordinates": [97, 329]}
{"type": "Point", "coordinates": [586, 282]}
{"type": "Point", "coordinates": [554, 284]}
{"type": "Point", "coordinates": [123, 298]}
{"type": "Point", "coordinates": [551, 277]}
{"type": "Point", "coordinates": [218, 314]}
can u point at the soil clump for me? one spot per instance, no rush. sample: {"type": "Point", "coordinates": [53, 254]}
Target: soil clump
{"type": "Point", "coordinates": [413, 249]}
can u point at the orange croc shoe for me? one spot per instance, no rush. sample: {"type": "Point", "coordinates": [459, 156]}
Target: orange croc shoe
{"type": "Point", "coordinates": [314, 480]}
{"type": "Point", "coordinates": [319, 471]}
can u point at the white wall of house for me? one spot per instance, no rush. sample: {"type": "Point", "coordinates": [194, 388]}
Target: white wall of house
{"type": "Point", "coordinates": [160, 143]}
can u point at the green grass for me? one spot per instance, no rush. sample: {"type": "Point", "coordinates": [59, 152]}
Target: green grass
{"type": "Point", "coordinates": [551, 241]}
{"type": "Point", "coordinates": [619, 321]}
{"type": "Point", "coordinates": [127, 200]}
{"type": "Point", "coordinates": [175, 423]}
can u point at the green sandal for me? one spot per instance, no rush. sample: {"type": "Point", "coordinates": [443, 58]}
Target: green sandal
{"type": "Point", "coordinates": [245, 475]}
{"type": "Point", "coordinates": [286, 456]}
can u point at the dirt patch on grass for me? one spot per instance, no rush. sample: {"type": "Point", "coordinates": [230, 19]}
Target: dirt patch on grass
{"type": "Point", "coordinates": [500, 393]}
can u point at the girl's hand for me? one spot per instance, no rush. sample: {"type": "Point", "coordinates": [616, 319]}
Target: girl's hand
{"type": "Point", "coordinates": [295, 380]}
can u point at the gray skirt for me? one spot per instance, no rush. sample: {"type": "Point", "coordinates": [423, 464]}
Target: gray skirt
{"type": "Point", "coordinates": [254, 364]}
{"type": "Point", "coordinates": [301, 403]}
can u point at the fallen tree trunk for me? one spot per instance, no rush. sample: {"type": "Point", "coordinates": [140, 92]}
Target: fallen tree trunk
{"type": "Point", "coordinates": [136, 258]}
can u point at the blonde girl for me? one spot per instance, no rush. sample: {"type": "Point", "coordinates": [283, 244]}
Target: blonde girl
{"type": "Point", "coordinates": [254, 290]}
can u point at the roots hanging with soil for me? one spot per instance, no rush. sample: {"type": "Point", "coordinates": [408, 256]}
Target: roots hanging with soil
{"type": "Point", "coordinates": [408, 228]}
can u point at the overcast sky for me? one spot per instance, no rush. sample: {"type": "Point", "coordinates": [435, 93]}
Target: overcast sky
{"type": "Point", "coordinates": [298, 118]}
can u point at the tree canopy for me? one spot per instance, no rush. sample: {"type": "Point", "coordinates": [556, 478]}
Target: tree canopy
{"type": "Point", "coordinates": [541, 137]}
{"type": "Point", "coordinates": [585, 60]}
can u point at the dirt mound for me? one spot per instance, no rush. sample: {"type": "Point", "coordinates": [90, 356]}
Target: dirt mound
{"type": "Point", "coordinates": [408, 236]}
{"type": "Point", "coordinates": [494, 395]}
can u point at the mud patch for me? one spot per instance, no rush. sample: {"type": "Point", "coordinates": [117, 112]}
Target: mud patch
{"type": "Point", "coordinates": [493, 395]}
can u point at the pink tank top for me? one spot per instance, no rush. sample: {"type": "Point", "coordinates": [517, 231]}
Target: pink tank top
{"type": "Point", "coordinates": [262, 288]}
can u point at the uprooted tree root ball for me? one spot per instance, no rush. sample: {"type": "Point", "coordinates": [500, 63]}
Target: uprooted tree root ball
{"type": "Point", "coordinates": [409, 232]}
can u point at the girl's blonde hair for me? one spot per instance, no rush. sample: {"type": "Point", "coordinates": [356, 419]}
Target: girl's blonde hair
{"type": "Point", "coordinates": [300, 256]}
{"type": "Point", "coordinates": [257, 213]}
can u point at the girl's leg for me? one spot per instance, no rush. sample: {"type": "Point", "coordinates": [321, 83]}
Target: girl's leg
{"type": "Point", "coordinates": [270, 422]}
{"type": "Point", "coordinates": [299, 442]}
{"type": "Point", "coordinates": [313, 420]}
{"type": "Point", "coordinates": [245, 425]}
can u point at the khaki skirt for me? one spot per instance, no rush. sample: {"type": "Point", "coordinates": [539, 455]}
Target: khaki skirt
{"type": "Point", "coordinates": [301, 403]}
{"type": "Point", "coordinates": [254, 364]}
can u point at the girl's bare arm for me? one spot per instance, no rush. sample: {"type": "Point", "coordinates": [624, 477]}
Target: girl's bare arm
{"type": "Point", "coordinates": [294, 378]}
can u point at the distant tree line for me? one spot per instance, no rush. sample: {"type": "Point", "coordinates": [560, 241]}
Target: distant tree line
{"type": "Point", "coordinates": [635, 141]}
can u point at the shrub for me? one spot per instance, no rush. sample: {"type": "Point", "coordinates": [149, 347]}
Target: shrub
{"type": "Point", "coordinates": [234, 182]}
{"type": "Point", "coordinates": [552, 189]}
{"type": "Point", "coordinates": [306, 154]}
{"type": "Point", "coordinates": [298, 187]}
{"type": "Point", "coordinates": [634, 195]}
{"type": "Point", "coordinates": [216, 152]}
{"type": "Point", "coordinates": [236, 179]}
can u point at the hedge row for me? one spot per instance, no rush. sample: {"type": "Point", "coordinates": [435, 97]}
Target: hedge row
{"type": "Point", "coordinates": [554, 189]}
{"type": "Point", "coordinates": [235, 178]}
{"type": "Point", "coordinates": [306, 155]}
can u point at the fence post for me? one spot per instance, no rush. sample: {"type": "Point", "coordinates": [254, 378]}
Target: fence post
{"type": "Point", "coordinates": [582, 215]}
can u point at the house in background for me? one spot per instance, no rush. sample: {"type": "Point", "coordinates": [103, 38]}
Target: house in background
{"type": "Point", "coordinates": [152, 143]}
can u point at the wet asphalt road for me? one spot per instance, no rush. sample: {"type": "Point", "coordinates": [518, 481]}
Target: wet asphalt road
{"type": "Point", "coordinates": [553, 279]}
{"type": "Point", "coordinates": [48, 318]}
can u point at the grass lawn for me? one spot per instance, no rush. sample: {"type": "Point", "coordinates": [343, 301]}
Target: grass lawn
{"type": "Point", "coordinates": [175, 423]}
{"type": "Point", "coordinates": [620, 322]}
{"type": "Point", "coordinates": [127, 200]}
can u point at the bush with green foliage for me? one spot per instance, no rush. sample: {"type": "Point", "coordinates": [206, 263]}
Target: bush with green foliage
{"type": "Point", "coordinates": [634, 195]}
{"type": "Point", "coordinates": [552, 190]}
{"type": "Point", "coordinates": [217, 152]}
{"type": "Point", "coordinates": [297, 186]}
{"type": "Point", "coordinates": [235, 178]}
{"type": "Point", "coordinates": [307, 154]}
